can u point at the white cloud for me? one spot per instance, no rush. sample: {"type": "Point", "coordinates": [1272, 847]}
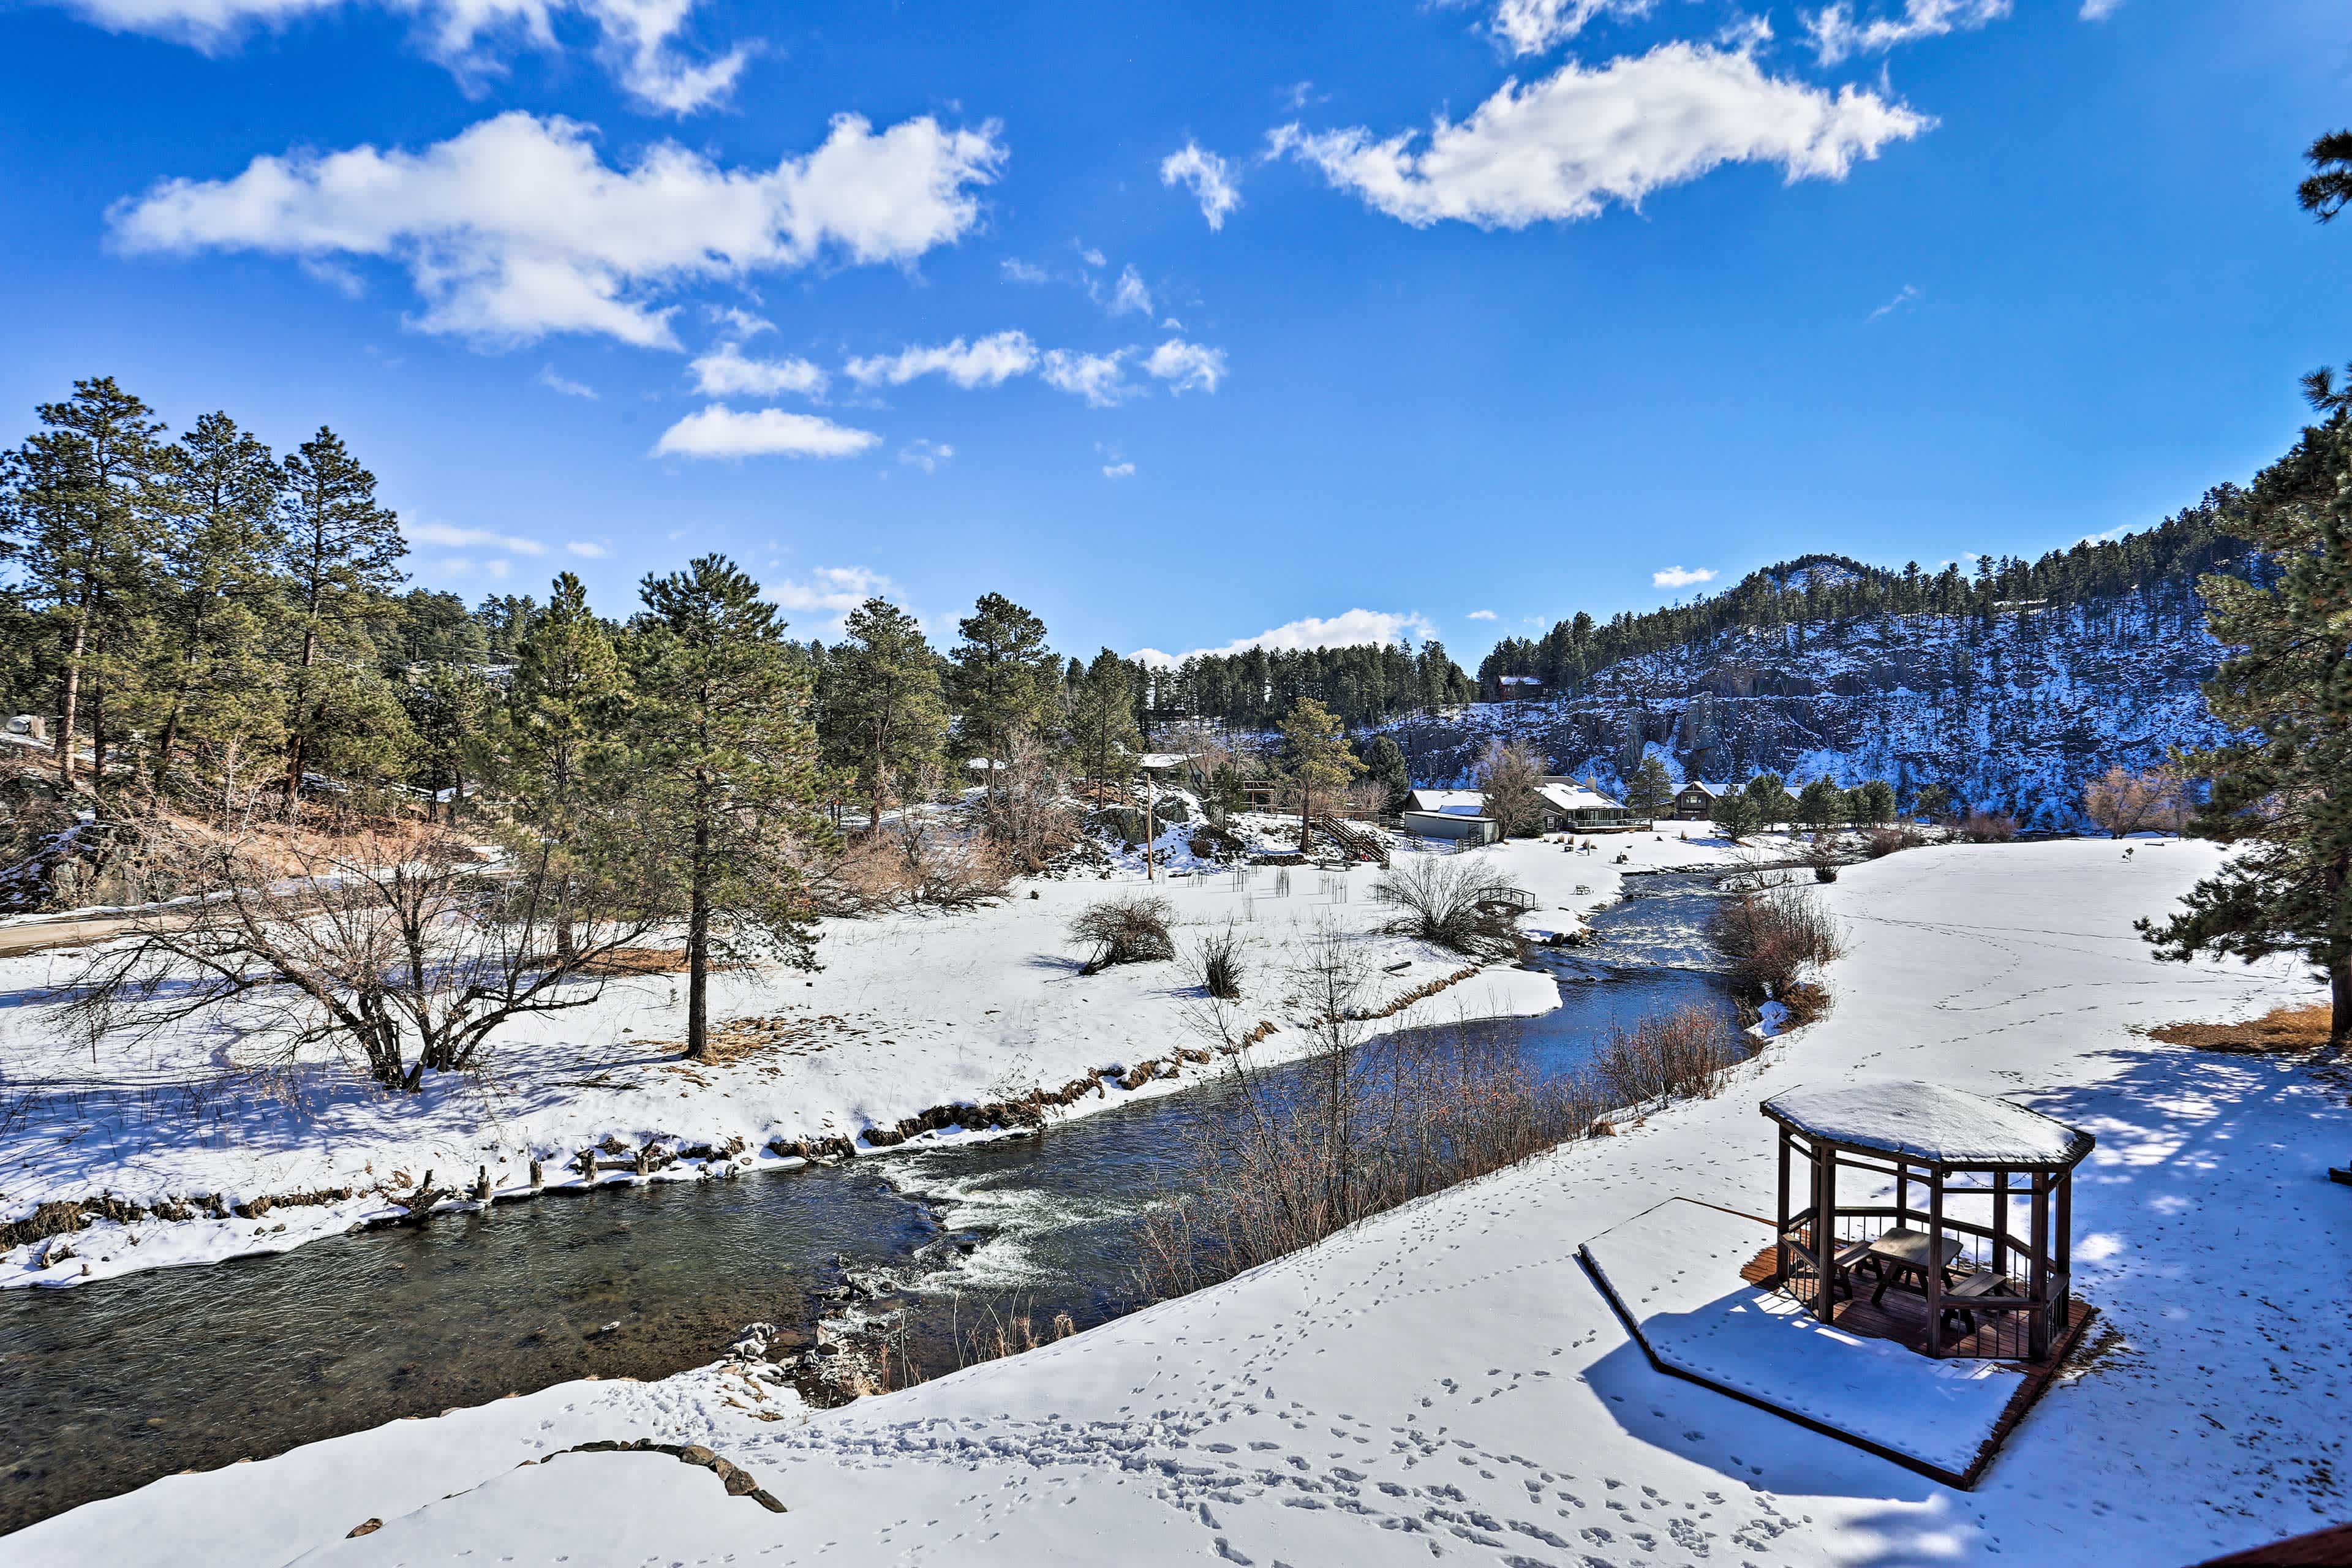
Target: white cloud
{"type": "Point", "coordinates": [2100, 10]}
{"type": "Point", "coordinates": [1533, 27]}
{"type": "Point", "coordinates": [1480, 615]}
{"type": "Point", "coordinates": [1350, 628]}
{"type": "Point", "coordinates": [724, 371]}
{"type": "Point", "coordinates": [1744, 33]}
{"type": "Point", "coordinates": [926, 455]}
{"type": "Point", "coordinates": [516, 227]}
{"type": "Point", "coordinates": [740, 322]}
{"type": "Point", "coordinates": [1677, 577]}
{"type": "Point", "coordinates": [1019, 271]}
{"type": "Point", "coordinates": [442, 534]}
{"type": "Point", "coordinates": [1837, 36]}
{"type": "Point", "coordinates": [498, 566]}
{"type": "Point", "coordinates": [1095, 377]}
{"type": "Point", "coordinates": [554, 382]}
{"type": "Point", "coordinates": [1129, 294]}
{"type": "Point", "coordinates": [719, 431]}
{"type": "Point", "coordinates": [1088, 253]}
{"type": "Point", "coordinates": [1210, 178]}
{"type": "Point", "coordinates": [1909, 293]}
{"type": "Point", "coordinates": [832, 592]}
{"type": "Point", "coordinates": [638, 37]}
{"type": "Point", "coordinates": [1185, 366]}
{"type": "Point", "coordinates": [588, 550]}
{"type": "Point", "coordinates": [1561, 148]}
{"type": "Point", "coordinates": [989, 362]}
{"type": "Point", "coordinates": [1119, 471]}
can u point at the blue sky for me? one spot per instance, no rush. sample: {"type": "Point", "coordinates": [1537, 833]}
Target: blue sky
{"type": "Point", "coordinates": [1507, 308]}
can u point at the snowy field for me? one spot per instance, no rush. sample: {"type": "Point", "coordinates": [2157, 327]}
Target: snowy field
{"type": "Point", "coordinates": [910, 1011]}
{"type": "Point", "coordinates": [1444, 1382]}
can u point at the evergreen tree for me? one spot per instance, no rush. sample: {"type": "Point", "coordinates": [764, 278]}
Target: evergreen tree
{"type": "Point", "coordinates": [1384, 764]}
{"type": "Point", "coordinates": [448, 709]}
{"type": "Point", "coordinates": [1652, 791]}
{"type": "Point", "coordinates": [1103, 734]}
{"type": "Point", "coordinates": [1822, 804]}
{"type": "Point", "coordinates": [564, 760]}
{"type": "Point", "coordinates": [1738, 815]}
{"type": "Point", "coordinates": [1932, 803]}
{"type": "Point", "coordinates": [725, 764]}
{"type": "Point", "coordinates": [1874, 802]}
{"type": "Point", "coordinates": [1004, 679]}
{"type": "Point", "coordinates": [1771, 799]}
{"type": "Point", "coordinates": [883, 714]}
{"type": "Point", "coordinates": [217, 683]}
{"type": "Point", "coordinates": [2285, 793]}
{"type": "Point", "coordinates": [84, 499]}
{"type": "Point", "coordinates": [1317, 758]}
{"type": "Point", "coordinates": [341, 560]}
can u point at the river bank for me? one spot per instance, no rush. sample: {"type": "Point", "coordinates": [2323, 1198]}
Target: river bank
{"type": "Point", "coordinates": [914, 1015]}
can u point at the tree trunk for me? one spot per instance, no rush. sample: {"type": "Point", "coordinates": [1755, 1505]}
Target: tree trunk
{"type": "Point", "coordinates": [67, 708]}
{"type": "Point", "coordinates": [2339, 988]}
{"type": "Point", "coordinates": [697, 940]}
{"type": "Point", "coordinates": [295, 748]}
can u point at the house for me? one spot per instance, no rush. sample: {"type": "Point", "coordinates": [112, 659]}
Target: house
{"type": "Point", "coordinates": [1696, 802]}
{"type": "Point", "coordinates": [1571, 807]}
{"type": "Point", "coordinates": [1451, 814]}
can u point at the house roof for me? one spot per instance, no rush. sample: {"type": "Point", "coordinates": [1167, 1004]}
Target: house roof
{"type": "Point", "coordinates": [1930, 1123]}
{"type": "Point", "coordinates": [1450, 802]}
{"type": "Point", "coordinates": [1701, 786]}
{"type": "Point", "coordinates": [1567, 794]}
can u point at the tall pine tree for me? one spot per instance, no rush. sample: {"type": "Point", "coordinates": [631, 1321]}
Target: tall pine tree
{"type": "Point", "coordinates": [341, 561]}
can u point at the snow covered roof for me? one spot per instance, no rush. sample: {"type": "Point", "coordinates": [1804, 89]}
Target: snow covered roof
{"type": "Point", "coordinates": [1165, 759]}
{"type": "Point", "coordinates": [1570, 795]}
{"type": "Point", "coordinates": [1450, 802]}
{"type": "Point", "coordinates": [1702, 785]}
{"type": "Point", "coordinates": [1930, 1123]}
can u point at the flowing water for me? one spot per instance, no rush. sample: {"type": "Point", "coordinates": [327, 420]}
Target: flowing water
{"type": "Point", "coordinates": [111, 1384]}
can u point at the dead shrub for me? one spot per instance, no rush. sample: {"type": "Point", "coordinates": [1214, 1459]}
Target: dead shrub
{"type": "Point", "coordinates": [1988, 827]}
{"type": "Point", "coordinates": [1217, 962]}
{"type": "Point", "coordinates": [917, 858]}
{"type": "Point", "coordinates": [1771, 932]}
{"type": "Point", "coordinates": [1687, 1054]}
{"type": "Point", "coordinates": [1124, 930]}
{"type": "Point", "coordinates": [1028, 815]}
{"type": "Point", "coordinates": [1456, 901]}
{"type": "Point", "coordinates": [1881, 842]}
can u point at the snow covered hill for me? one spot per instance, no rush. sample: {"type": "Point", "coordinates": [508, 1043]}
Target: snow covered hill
{"type": "Point", "coordinates": [2013, 710]}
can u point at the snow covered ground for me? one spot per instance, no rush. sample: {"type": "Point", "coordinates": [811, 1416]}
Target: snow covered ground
{"type": "Point", "coordinates": [910, 1011]}
{"type": "Point", "coordinates": [1444, 1381]}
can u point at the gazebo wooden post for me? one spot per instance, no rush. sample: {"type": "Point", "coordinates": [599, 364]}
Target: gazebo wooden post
{"type": "Point", "coordinates": [1780, 1231]}
{"type": "Point", "coordinates": [1934, 1270]}
{"type": "Point", "coordinates": [2000, 1224]}
{"type": "Point", "coordinates": [2063, 1287]}
{"type": "Point", "coordinates": [2037, 1289]}
{"type": "Point", "coordinates": [1824, 1230]}
{"type": "Point", "coordinates": [1902, 1187]}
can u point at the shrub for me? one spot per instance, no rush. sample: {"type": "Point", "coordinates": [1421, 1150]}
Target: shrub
{"type": "Point", "coordinates": [1988, 827]}
{"type": "Point", "coordinates": [1456, 901]}
{"type": "Point", "coordinates": [1769, 934]}
{"type": "Point", "coordinates": [1217, 964]}
{"type": "Point", "coordinates": [1686, 1053]}
{"type": "Point", "coordinates": [1881, 842]}
{"type": "Point", "coordinates": [1124, 930]}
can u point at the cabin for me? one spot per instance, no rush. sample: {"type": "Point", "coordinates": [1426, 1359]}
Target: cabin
{"type": "Point", "coordinates": [1695, 802]}
{"type": "Point", "coordinates": [1458, 814]}
{"type": "Point", "coordinates": [1571, 807]}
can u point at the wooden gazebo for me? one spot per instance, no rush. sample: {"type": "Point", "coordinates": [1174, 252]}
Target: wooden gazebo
{"type": "Point", "coordinates": [1961, 1167]}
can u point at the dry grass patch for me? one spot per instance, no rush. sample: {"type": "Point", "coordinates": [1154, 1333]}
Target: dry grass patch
{"type": "Point", "coordinates": [2283, 1030]}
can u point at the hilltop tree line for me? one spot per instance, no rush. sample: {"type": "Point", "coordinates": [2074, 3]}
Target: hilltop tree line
{"type": "Point", "coordinates": [2159, 564]}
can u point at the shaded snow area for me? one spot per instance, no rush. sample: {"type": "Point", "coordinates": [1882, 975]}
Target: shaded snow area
{"type": "Point", "coordinates": [1444, 1382]}
{"type": "Point", "coordinates": [1676, 1268]}
{"type": "Point", "coordinates": [2014, 713]}
{"type": "Point", "coordinates": [910, 1011]}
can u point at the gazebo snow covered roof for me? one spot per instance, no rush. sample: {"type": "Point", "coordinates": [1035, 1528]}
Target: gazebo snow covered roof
{"type": "Point", "coordinates": [1931, 1124]}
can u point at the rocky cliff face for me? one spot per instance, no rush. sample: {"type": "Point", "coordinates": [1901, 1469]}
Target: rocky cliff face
{"type": "Point", "coordinates": [2009, 712]}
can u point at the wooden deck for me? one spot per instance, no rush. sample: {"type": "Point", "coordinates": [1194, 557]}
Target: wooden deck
{"type": "Point", "coordinates": [1902, 1318]}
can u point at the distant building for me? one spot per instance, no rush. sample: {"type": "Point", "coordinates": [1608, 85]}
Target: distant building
{"type": "Point", "coordinates": [1696, 802]}
{"type": "Point", "coordinates": [1451, 814]}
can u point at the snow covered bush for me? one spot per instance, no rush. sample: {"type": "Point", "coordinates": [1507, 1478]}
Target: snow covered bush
{"type": "Point", "coordinates": [1457, 901]}
{"type": "Point", "coordinates": [1770, 933]}
{"type": "Point", "coordinates": [1124, 930]}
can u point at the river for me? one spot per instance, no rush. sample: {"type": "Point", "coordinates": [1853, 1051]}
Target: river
{"type": "Point", "coordinates": [111, 1384]}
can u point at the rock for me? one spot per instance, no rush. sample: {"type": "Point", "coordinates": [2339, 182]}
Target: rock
{"type": "Point", "coordinates": [760, 1495]}
{"type": "Point", "coordinates": [365, 1527]}
{"type": "Point", "coordinates": [696, 1453]}
{"type": "Point", "coordinates": [738, 1482]}
{"type": "Point", "coordinates": [56, 1250]}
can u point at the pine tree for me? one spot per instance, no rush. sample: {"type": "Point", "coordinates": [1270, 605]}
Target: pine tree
{"type": "Point", "coordinates": [1103, 733]}
{"type": "Point", "coordinates": [342, 561]}
{"type": "Point", "coordinates": [1317, 758]}
{"type": "Point", "coordinates": [84, 499]}
{"type": "Point", "coordinates": [726, 769]}
{"type": "Point", "coordinates": [563, 758]}
{"type": "Point", "coordinates": [1652, 791]}
{"type": "Point", "coordinates": [1003, 677]}
{"type": "Point", "coordinates": [1822, 804]}
{"type": "Point", "coordinates": [1874, 802]}
{"type": "Point", "coordinates": [2283, 793]}
{"type": "Point", "coordinates": [1738, 815]}
{"type": "Point", "coordinates": [882, 711]}
{"type": "Point", "coordinates": [1385, 765]}
{"type": "Point", "coordinates": [218, 684]}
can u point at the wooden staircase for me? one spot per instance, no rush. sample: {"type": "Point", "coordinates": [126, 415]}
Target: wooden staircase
{"type": "Point", "coordinates": [1353, 842]}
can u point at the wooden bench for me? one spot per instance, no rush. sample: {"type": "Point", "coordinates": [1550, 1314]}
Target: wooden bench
{"type": "Point", "coordinates": [1967, 1287]}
